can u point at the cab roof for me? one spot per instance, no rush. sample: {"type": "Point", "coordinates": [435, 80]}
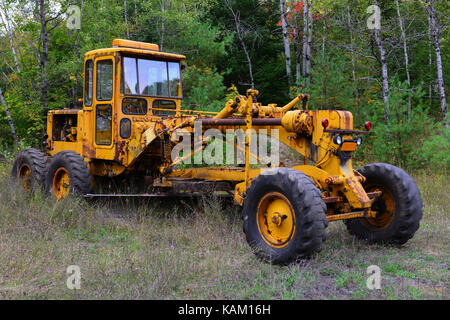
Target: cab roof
{"type": "Point", "coordinates": [134, 48]}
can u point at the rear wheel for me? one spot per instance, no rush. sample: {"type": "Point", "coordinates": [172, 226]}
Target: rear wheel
{"type": "Point", "coordinates": [284, 216]}
{"type": "Point", "coordinates": [68, 174]}
{"type": "Point", "coordinates": [398, 209]}
{"type": "Point", "coordinates": [29, 167]}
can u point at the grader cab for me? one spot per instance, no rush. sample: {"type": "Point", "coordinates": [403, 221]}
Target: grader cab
{"type": "Point", "coordinates": [130, 127]}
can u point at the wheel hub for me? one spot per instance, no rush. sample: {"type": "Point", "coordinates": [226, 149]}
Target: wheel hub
{"type": "Point", "coordinates": [276, 219]}
{"type": "Point", "coordinates": [61, 183]}
{"type": "Point", "coordinates": [384, 207]}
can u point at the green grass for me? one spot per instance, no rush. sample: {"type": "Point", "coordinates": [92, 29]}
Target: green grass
{"type": "Point", "coordinates": [197, 250]}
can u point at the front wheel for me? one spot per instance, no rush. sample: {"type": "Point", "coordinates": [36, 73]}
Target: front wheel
{"type": "Point", "coordinates": [284, 216]}
{"type": "Point", "coordinates": [68, 174]}
{"type": "Point", "coordinates": [398, 209]}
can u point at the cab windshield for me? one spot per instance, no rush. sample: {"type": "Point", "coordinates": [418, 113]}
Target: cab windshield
{"type": "Point", "coordinates": [146, 77]}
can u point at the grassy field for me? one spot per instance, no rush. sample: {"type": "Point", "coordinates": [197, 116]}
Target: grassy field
{"type": "Point", "coordinates": [197, 250]}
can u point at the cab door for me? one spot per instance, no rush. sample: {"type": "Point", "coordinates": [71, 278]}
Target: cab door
{"type": "Point", "coordinates": [104, 108]}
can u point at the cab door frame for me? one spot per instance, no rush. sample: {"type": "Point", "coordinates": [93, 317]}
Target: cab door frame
{"type": "Point", "coordinates": [103, 151]}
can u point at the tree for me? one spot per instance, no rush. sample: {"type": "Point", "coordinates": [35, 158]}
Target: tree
{"type": "Point", "coordinates": [436, 38]}
{"type": "Point", "coordinates": [287, 47]}
{"type": "Point", "coordinates": [384, 69]}
{"type": "Point", "coordinates": [405, 51]}
{"type": "Point", "coordinates": [240, 31]}
{"type": "Point", "coordinates": [9, 118]}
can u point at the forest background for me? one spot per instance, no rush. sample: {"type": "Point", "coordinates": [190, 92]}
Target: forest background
{"type": "Point", "coordinates": [392, 74]}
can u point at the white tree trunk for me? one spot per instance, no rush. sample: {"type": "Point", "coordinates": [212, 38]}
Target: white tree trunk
{"type": "Point", "coordinates": [435, 36]}
{"type": "Point", "coordinates": [405, 53]}
{"type": "Point", "coordinates": [4, 14]}
{"type": "Point", "coordinates": [309, 44]}
{"type": "Point", "coordinates": [384, 71]}
{"type": "Point", "coordinates": [287, 47]}
{"type": "Point", "coordinates": [9, 118]}
{"type": "Point", "coordinates": [430, 64]}
{"type": "Point", "coordinates": [350, 28]}
{"type": "Point", "coordinates": [298, 67]}
{"type": "Point", "coordinates": [305, 37]}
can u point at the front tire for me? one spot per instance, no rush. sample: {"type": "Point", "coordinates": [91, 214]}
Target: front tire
{"type": "Point", "coordinates": [284, 216]}
{"type": "Point", "coordinates": [68, 174]}
{"type": "Point", "coordinates": [399, 208]}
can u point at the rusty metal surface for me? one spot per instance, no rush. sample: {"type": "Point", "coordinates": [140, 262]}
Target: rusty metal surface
{"type": "Point", "coordinates": [336, 199]}
{"type": "Point", "coordinates": [240, 122]}
{"type": "Point", "coordinates": [349, 215]}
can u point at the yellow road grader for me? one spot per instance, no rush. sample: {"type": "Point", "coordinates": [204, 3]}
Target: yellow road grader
{"type": "Point", "coordinates": [125, 132]}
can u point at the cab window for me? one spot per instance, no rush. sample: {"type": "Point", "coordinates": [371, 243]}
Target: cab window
{"type": "Point", "coordinates": [153, 78]}
{"type": "Point", "coordinates": [174, 79]}
{"type": "Point", "coordinates": [134, 106]}
{"type": "Point", "coordinates": [163, 104]}
{"type": "Point", "coordinates": [149, 77]}
{"type": "Point", "coordinates": [129, 83]}
{"type": "Point", "coordinates": [88, 83]}
{"type": "Point", "coordinates": [103, 124]}
{"type": "Point", "coordinates": [104, 80]}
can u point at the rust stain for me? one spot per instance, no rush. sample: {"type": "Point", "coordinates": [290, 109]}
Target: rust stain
{"type": "Point", "coordinates": [87, 151]}
{"type": "Point", "coordinates": [120, 151]}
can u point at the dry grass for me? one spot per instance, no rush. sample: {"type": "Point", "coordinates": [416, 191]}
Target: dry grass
{"type": "Point", "coordinates": [197, 250]}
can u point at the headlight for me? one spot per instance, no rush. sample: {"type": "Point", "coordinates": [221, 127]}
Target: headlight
{"type": "Point", "coordinates": [358, 141]}
{"type": "Point", "coordinates": [337, 139]}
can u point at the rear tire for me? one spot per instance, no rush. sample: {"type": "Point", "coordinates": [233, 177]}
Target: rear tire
{"type": "Point", "coordinates": [29, 166]}
{"type": "Point", "coordinates": [284, 216]}
{"type": "Point", "coordinates": [68, 174]}
{"type": "Point", "coordinates": [399, 207]}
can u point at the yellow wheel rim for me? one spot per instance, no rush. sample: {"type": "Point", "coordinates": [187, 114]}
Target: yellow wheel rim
{"type": "Point", "coordinates": [61, 183]}
{"type": "Point", "coordinates": [276, 219]}
{"type": "Point", "coordinates": [25, 175]}
{"type": "Point", "coordinates": [384, 207]}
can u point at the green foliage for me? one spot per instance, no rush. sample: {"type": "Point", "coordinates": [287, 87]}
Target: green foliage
{"type": "Point", "coordinates": [408, 140]}
{"type": "Point", "coordinates": [203, 89]}
{"type": "Point", "coordinates": [345, 63]}
{"type": "Point", "coordinates": [331, 85]}
{"type": "Point", "coordinates": [434, 151]}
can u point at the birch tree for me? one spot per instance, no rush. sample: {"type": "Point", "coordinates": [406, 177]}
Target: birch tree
{"type": "Point", "coordinates": [287, 47]}
{"type": "Point", "coordinates": [6, 25]}
{"type": "Point", "coordinates": [354, 73]}
{"type": "Point", "coordinates": [307, 14]}
{"type": "Point", "coordinates": [305, 36]}
{"type": "Point", "coordinates": [4, 14]}
{"type": "Point", "coordinates": [384, 70]}
{"type": "Point", "coordinates": [309, 42]}
{"type": "Point", "coordinates": [9, 119]}
{"type": "Point", "coordinates": [436, 38]}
